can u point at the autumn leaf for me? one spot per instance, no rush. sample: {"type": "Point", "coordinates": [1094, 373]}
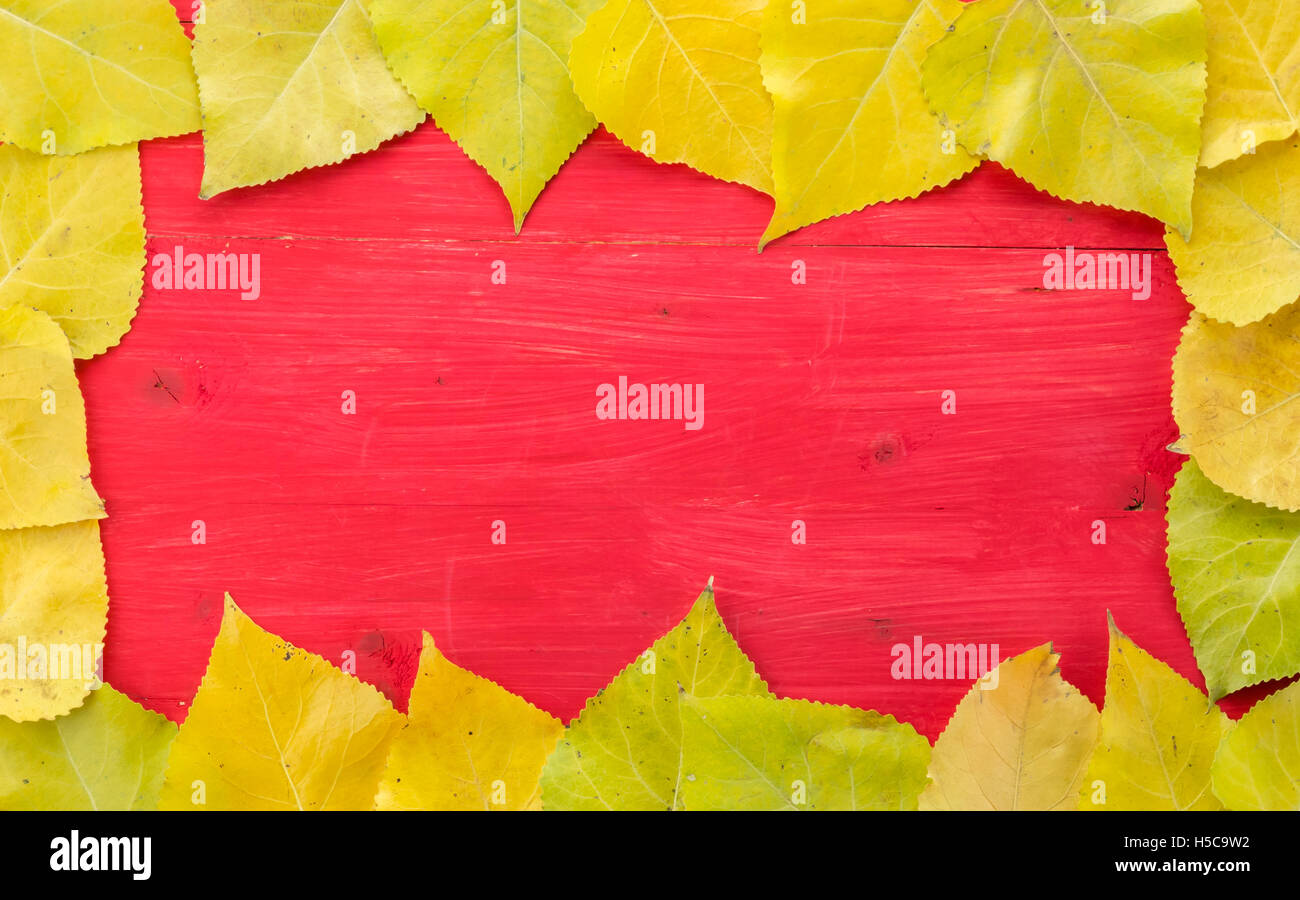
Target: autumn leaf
{"type": "Point", "coordinates": [1243, 261]}
{"type": "Point", "coordinates": [1020, 739]}
{"type": "Point", "coordinates": [761, 753]}
{"type": "Point", "coordinates": [679, 81]}
{"type": "Point", "coordinates": [1158, 737]}
{"type": "Point", "coordinates": [44, 469]}
{"type": "Point", "coordinates": [467, 744]}
{"type": "Point", "coordinates": [288, 86]}
{"type": "Point", "coordinates": [494, 76]}
{"type": "Point", "coordinates": [851, 125]}
{"type": "Point", "coordinates": [72, 241]}
{"type": "Point", "coordinates": [87, 73]}
{"type": "Point", "coordinates": [1258, 763]}
{"type": "Point", "coordinates": [1233, 400]}
{"type": "Point", "coordinates": [625, 749]}
{"type": "Point", "coordinates": [1253, 93]}
{"type": "Point", "coordinates": [1236, 576]}
{"type": "Point", "coordinates": [107, 755]}
{"type": "Point", "coordinates": [275, 727]}
{"type": "Point", "coordinates": [1098, 105]}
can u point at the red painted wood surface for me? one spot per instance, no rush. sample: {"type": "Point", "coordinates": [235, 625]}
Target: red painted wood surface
{"type": "Point", "coordinates": [475, 402]}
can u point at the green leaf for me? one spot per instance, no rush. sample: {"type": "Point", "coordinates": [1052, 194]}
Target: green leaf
{"type": "Point", "coordinates": [625, 750]}
{"type": "Point", "coordinates": [1258, 764]}
{"type": "Point", "coordinates": [761, 753]}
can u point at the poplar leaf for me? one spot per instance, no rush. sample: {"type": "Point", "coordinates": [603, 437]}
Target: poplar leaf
{"type": "Point", "coordinates": [1158, 737]}
{"type": "Point", "coordinates": [625, 749]}
{"type": "Point", "coordinates": [53, 612]}
{"type": "Point", "coordinates": [1258, 764]}
{"type": "Point", "coordinates": [761, 753]}
{"type": "Point", "coordinates": [1236, 575]}
{"type": "Point", "coordinates": [72, 241]}
{"type": "Point", "coordinates": [1020, 739]}
{"type": "Point", "coordinates": [44, 469]}
{"type": "Point", "coordinates": [495, 77]}
{"type": "Point", "coordinates": [288, 86]}
{"type": "Point", "coordinates": [86, 73]}
{"type": "Point", "coordinates": [107, 755]}
{"type": "Point", "coordinates": [679, 80]}
{"type": "Point", "coordinates": [852, 126]}
{"type": "Point", "coordinates": [1233, 400]}
{"type": "Point", "coordinates": [1253, 92]}
{"type": "Point", "coordinates": [274, 727]}
{"type": "Point", "coordinates": [1101, 106]}
{"type": "Point", "coordinates": [1243, 261]}
{"type": "Point", "coordinates": [467, 744]}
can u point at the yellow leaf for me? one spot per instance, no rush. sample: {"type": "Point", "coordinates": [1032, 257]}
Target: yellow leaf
{"type": "Point", "coordinates": [1234, 400]}
{"type": "Point", "coordinates": [86, 73]}
{"type": "Point", "coordinates": [494, 77]}
{"type": "Point", "coordinates": [1158, 737]}
{"type": "Point", "coordinates": [44, 469]}
{"type": "Point", "coordinates": [1098, 105]}
{"type": "Point", "coordinates": [72, 240]}
{"type": "Point", "coordinates": [275, 727]}
{"type": "Point", "coordinates": [467, 744]}
{"type": "Point", "coordinates": [1254, 76]}
{"type": "Point", "coordinates": [288, 86]}
{"type": "Point", "coordinates": [1258, 764]}
{"type": "Point", "coordinates": [679, 81]}
{"type": "Point", "coordinates": [53, 611]}
{"type": "Point", "coordinates": [1020, 739]}
{"type": "Point", "coordinates": [852, 126]}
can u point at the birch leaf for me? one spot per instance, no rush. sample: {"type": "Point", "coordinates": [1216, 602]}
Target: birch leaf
{"type": "Point", "coordinates": [87, 73]}
{"type": "Point", "coordinates": [761, 753]}
{"type": "Point", "coordinates": [275, 727]}
{"type": "Point", "coordinates": [1243, 261]}
{"type": "Point", "coordinates": [44, 469]}
{"type": "Point", "coordinates": [625, 749]}
{"type": "Point", "coordinates": [107, 755]}
{"type": "Point", "coordinates": [679, 80]}
{"type": "Point", "coordinates": [53, 612]}
{"type": "Point", "coordinates": [1102, 107]}
{"type": "Point", "coordinates": [852, 126]}
{"type": "Point", "coordinates": [72, 241]}
{"type": "Point", "coordinates": [467, 744]}
{"type": "Point", "coordinates": [1233, 400]}
{"type": "Point", "coordinates": [288, 86]}
{"type": "Point", "coordinates": [495, 78]}
{"type": "Point", "coordinates": [1020, 739]}
{"type": "Point", "coordinates": [1258, 764]}
{"type": "Point", "coordinates": [1253, 69]}
{"type": "Point", "coordinates": [1236, 574]}
{"type": "Point", "coordinates": [1158, 737]}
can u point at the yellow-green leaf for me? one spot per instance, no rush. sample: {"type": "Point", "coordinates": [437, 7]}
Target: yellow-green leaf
{"type": "Point", "coordinates": [1020, 739]}
{"type": "Point", "coordinates": [1158, 737]}
{"type": "Point", "coordinates": [1098, 105]}
{"type": "Point", "coordinates": [1254, 76]}
{"type": "Point", "coordinates": [761, 753]}
{"type": "Point", "coordinates": [1258, 764]}
{"type": "Point", "coordinates": [852, 126]}
{"type": "Point", "coordinates": [1234, 393]}
{"type": "Point", "coordinates": [625, 750]}
{"type": "Point", "coordinates": [275, 727]}
{"type": "Point", "coordinates": [679, 81]}
{"type": "Point", "coordinates": [1243, 261]}
{"type": "Point", "coordinates": [83, 74]}
{"type": "Point", "coordinates": [467, 744]}
{"type": "Point", "coordinates": [44, 469]}
{"type": "Point", "coordinates": [72, 240]}
{"type": "Point", "coordinates": [495, 77]}
{"type": "Point", "coordinates": [109, 754]}
{"type": "Point", "coordinates": [53, 611]}
{"type": "Point", "coordinates": [288, 86]}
